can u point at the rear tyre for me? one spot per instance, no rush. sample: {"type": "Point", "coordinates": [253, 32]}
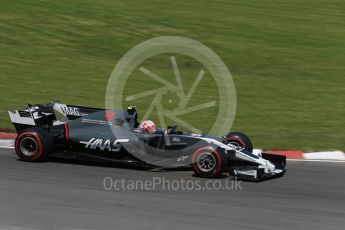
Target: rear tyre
{"type": "Point", "coordinates": [33, 144]}
{"type": "Point", "coordinates": [208, 162]}
{"type": "Point", "coordinates": [240, 139]}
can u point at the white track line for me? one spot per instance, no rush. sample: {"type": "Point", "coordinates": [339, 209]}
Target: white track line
{"type": "Point", "coordinates": [318, 160]}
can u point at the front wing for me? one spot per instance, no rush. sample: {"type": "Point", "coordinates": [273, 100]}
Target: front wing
{"type": "Point", "coordinates": [256, 172]}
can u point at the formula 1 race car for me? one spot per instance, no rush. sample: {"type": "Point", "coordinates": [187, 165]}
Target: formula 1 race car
{"type": "Point", "coordinates": [111, 135]}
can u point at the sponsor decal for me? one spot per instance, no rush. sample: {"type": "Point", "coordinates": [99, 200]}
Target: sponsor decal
{"type": "Point", "coordinates": [101, 144]}
{"type": "Point", "coordinates": [36, 115]}
{"type": "Point", "coordinates": [94, 121]}
{"type": "Point", "coordinates": [176, 139]}
{"type": "Point", "coordinates": [182, 158]}
{"type": "Point", "coordinates": [70, 110]}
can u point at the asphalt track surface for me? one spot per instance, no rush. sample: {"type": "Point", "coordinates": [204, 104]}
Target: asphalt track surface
{"type": "Point", "coordinates": [62, 195]}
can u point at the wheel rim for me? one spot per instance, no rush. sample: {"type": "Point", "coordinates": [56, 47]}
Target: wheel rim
{"type": "Point", "coordinates": [28, 146]}
{"type": "Point", "coordinates": [206, 162]}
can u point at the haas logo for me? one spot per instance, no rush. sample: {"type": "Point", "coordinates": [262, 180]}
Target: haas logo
{"type": "Point", "coordinates": [101, 144]}
{"type": "Point", "coordinates": [70, 111]}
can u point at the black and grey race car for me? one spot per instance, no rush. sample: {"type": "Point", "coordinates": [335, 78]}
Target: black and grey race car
{"type": "Point", "coordinates": [113, 135]}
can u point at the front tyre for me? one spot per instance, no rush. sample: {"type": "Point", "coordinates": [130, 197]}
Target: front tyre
{"type": "Point", "coordinates": [33, 144]}
{"type": "Point", "coordinates": [240, 140]}
{"type": "Point", "coordinates": [208, 162]}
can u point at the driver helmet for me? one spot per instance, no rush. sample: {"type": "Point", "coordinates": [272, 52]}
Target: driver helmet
{"type": "Point", "coordinates": [148, 126]}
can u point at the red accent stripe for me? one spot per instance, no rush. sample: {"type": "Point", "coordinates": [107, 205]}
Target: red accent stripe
{"type": "Point", "coordinates": [290, 154]}
{"type": "Point", "coordinates": [66, 132]}
{"type": "Point", "coordinates": [8, 136]}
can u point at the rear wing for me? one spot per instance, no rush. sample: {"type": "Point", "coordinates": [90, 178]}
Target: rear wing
{"type": "Point", "coordinates": [33, 115]}
{"type": "Point", "coordinates": [43, 115]}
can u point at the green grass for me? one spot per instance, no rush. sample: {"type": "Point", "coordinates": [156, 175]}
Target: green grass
{"type": "Point", "coordinates": [287, 58]}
